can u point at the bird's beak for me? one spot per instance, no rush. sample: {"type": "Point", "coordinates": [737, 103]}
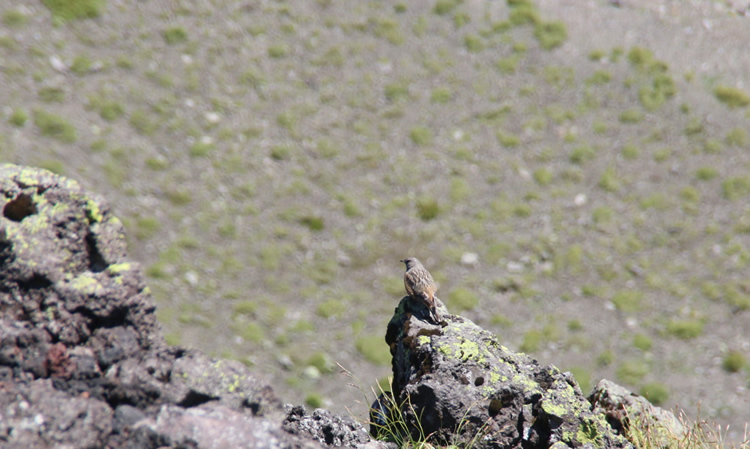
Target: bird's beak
{"type": "Point", "coordinates": [402, 260]}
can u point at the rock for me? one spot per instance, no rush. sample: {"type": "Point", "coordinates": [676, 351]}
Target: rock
{"type": "Point", "coordinates": [325, 427]}
{"type": "Point", "coordinates": [217, 427]}
{"type": "Point", "coordinates": [38, 416]}
{"type": "Point", "coordinates": [83, 363]}
{"type": "Point", "coordinates": [624, 408]}
{"type": "Point", "coordinates": [457, 384]}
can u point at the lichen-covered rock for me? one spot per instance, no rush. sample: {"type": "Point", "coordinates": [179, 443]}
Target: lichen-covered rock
{"type": "Point", "coordinates": [455, 383]}
{"type": "Point", "coordinates": [83, 363]}
{"type": "Point", "coordinates": [63, 262]}
{"type": "Point", "coordinates": [624, 409]}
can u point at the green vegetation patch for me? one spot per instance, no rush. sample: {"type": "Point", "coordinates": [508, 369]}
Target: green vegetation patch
{"type": "Point", "coordinates": [642, 342]}
{"type": "Point", "coordinates": [374, 349]}
{"type": "Point", "coordinates": [531, 341]}
{"type": "Point", "coordinates": [734, 361]}
{"type": "Point", "coordinates": [18, 118]}
{"type": "Point", "coordinates": [427, 208]}
{"type": "Point", "coordinates": [174, 35]}
{"type": "Point", "coordinates": [685, 329]}
{"type": "Point", "coordinates": [331, 308]}
{"type": "Point", "coordinates": [74, 9]}
{"type": "Point", "coordinates": [14, 18]}
{"type": "Point", "coordinates": [314, 400]}
{"type": "Point", "coordinates": [81, 65]}
{"type": "Point", "coordinates": [736, 187]}
{"type": "Point", "coordinates": [51, 94]}
{"type": "Point", "coordinates": [550, 34]}
{"type": "Point", "coordinates": [421, 135]}
{"type": "Point", "coordinates": [733, 97]}
{"type": "Point", "coordinates": [462, 298]}
{"type": "Point", "coordinates": [657, 393]}
{"type": "Point", "coordinates": [54, 126]}
{"type": "Point", "coordinates": [632, 371]}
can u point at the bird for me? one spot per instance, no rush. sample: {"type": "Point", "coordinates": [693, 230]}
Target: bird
{"type": "Point", "coordinates": [420, 285]}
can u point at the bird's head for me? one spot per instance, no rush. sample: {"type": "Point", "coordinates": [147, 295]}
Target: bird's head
{"type": "Point", "coordinates": [411, 262]}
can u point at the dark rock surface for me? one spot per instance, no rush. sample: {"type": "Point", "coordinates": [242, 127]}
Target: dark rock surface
{"type": "Point", "coordinates": [456, 383]}
{"type": "Point", "coordinates": [83, 363]}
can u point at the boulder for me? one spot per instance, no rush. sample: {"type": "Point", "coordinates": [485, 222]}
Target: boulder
{"type": "Point", "coordinates": [83, 363]}
{"type": "Point", "coordinates": [455, 383]}
{"type": "Point", "coordinates": [626, 410]}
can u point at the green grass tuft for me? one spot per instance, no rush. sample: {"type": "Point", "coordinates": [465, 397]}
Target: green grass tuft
{"type": "Point", "coordinates": [733, 97]}
{"type": "Point", "coordinates": [734, 361]}
{"type": "Point", "coordinates": [174, 35]}
{"type": "Point", "coordinates": [427, 208]}
{"type": "Point", "coordinates": [642, 342]}
{"type": "Point", "coordinates": [314, 400]}
{"type": "Point", "coordinates": [631, 116]}
{"type": "Point", "coordinates": [81, 65]}
{"type": "Point", "coordinates": [632, 371]}
{"type": "Point", "coordinates": [54, 126]}
{"type": "Point", "coordinates": [74, 9]}
{"type": "Point", "coordinates": [14, 18]}
{"type": "Point", "coordinates": [657, 393]}
{"type": "Point", "coordinates": [736, 187]}
{"type": "Point", "coordinates": [374, 349]}
{"type": "Point", "coordinates": [461, 298]}
{"type": "Point", "coordinates": [627, 300]}
{"type": "Point", "coordinates": [473, 43]}
{"type": "Point", "coordinates": [331, 308]}
{"type": "Point", "coordinates": [685, 329]}
{"type": "Point", "coordinates": [532, 340]}
{"type": "Point", "coordinates": [550, 34]}
{"type": "Point", "coordinates": [18, 118]}
{"type": "Point", "coordinates": [421, 135]}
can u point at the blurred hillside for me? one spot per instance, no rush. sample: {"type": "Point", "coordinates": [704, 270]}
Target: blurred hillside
{"type": "Point", "coordinates": [575, 175]}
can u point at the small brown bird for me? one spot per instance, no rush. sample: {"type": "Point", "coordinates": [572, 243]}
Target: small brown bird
{"type": "Point", "coordinates": [420, 285]}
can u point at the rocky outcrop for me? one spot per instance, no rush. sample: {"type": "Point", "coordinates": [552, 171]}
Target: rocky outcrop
{"type": "Point", "coordinates": [83, 363]}
{"type": "Point", "coordinates": [455, 383]}
{"type": "Point", "coordinates": [625, 410]}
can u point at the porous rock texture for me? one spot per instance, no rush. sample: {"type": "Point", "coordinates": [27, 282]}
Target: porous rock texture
{"type": "Point", "coordinates": [455, 383]}
{"type": "Point", "coordinates": [83, 363]}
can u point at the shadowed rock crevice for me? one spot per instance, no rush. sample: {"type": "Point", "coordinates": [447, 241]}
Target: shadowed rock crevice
{"type": "Point", "coordinates": [195, 398]}
{"type": "Point", "coordinates": [19, 208]}
{"type": "Point", "coordinates": [97, 264]}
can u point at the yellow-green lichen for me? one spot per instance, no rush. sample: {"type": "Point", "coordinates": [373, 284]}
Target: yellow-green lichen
{"type": "Point", "coordinates": [86, 283]}
{"type": "Point", "coordinates": [588, 433]}
{"type": "Point", "coordinates": [35, 224]}
{"type": "Point", "coordinates": [93, 212]}
{"type": "Point", "coordinates": [445, 349]}
{"type": "Point", "coordinates": [555, 409]}
{"type": "Point", "coordinates": [119, 267]}
{"type": "Point", "coordinates": [527, 383]}
{"type": "Point", "coordinates": [423, 340]}
{"type": "Point", "coordinates": [470, 350]}
{"type": "Point", "coordinates": [57, 209]}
